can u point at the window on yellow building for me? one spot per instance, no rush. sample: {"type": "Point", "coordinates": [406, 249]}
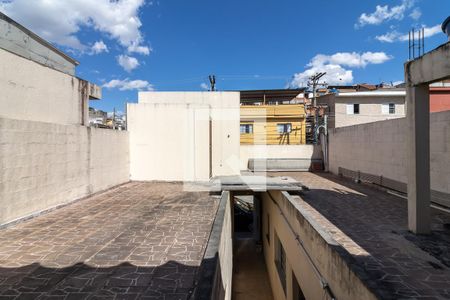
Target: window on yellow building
{"type": "Point", "coordinates": [246, 128]}
{"type": "Point", "coordinates": [284, 128]}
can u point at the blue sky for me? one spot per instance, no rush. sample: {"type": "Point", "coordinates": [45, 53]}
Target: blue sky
{"type": "Point", "coordinates": [131, 45]}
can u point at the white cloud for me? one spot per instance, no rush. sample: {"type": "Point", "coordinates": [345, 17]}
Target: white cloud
{"type": "Point", "coordinates": [60, 21]}
{"type": "Point", "coordinates": [135, 48]}
{"type": "Point", "coordinates": [416, 14]}
{"type": "Point", "coordinates": [395, 36]}
{"type": "Point", "coordinates": [385, 13]}
{"type": "Point", "coordinates": [389, 37]}
{"type": "Point", "coordinates": [204, 86]}
{"type": "Point", "coordinates": [128, 63]}
{"type": "Point", "coordinates": [126, 84]}
{"type": "Point", "coordinates": [99, 47]}
{"type": "Point", "coordinates": [350, 59]}
{"type": "Point", "coordinates": [335, 75]}
{"type": "Point", "coordinates": [334, 65]}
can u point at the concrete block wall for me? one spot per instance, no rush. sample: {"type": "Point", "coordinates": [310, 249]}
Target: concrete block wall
{"type": "Point", "coordinates": [45, 165]}
{"type": "Point", "coordinates": [379, 148]}
{"type": "Point", "coordinates": [109, 161]}
{"type": "Point", "coordinates": [34, 92]}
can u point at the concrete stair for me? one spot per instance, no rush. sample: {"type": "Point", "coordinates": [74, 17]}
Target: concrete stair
{"type": "Point", "coordinates": [284, 164]}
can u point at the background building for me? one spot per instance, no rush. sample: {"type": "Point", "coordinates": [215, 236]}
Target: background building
{"type": "Point", "coordinates": [273, 117]}
{"type": "Point", "coordinates": [273, 124]}
{"type": "Point", "coordinates": [352, 108]}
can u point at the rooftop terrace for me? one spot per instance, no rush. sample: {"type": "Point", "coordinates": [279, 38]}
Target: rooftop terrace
{"type": "Point", "coordinates": [372, 226]}
{"type": "Point", "coordinates": [147, 240]}
{"type": "Point", "coordinates": [137, 240]}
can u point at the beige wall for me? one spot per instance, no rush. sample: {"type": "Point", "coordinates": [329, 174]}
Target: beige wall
{"type": "Point", "coordinates": [370, 110]}
{"type": "Point", "coordinates": [277, 151]}
{"type": "Point", "coordinates": [45, 165]}
{"type": "Point", "coordinates": [379, 149]}
{"type": "Point", "coordinates": [288, 221]}
{"type": "Point", "coordinates": [30, 91]}
{"type": "Point", "coordinates": [168, 142]}
{"type": "Point", "coordinates": [171, 133]}
{"type": "Point", "coordinates": [109, 158]}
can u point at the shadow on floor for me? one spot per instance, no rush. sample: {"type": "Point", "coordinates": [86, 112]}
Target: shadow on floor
{"type": "Point", "coordinates": [171, 280]}
{"type": "Point", "coordinates": [396, 262]}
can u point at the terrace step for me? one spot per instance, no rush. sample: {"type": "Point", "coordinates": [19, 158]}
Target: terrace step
{"type": "Point", "coordinates": [284, 164]}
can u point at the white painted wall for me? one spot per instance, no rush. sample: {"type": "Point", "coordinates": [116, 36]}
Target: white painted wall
{"type": "Point", "coordinates": [45, 165]}
{"type": "Point", "coordinates": [30, 91]}
{"type": "Point", "coordinates": [379, 149]}
{"type": "Point", "coordinates": [277, 151]}
{"type": "Point", "coordinates": [169, 142]}
{"type": "Point", "coordinates": [170, 135]}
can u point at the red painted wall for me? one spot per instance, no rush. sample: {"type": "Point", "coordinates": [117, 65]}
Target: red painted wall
{"type": "Point", "coordinates": [439, 99]}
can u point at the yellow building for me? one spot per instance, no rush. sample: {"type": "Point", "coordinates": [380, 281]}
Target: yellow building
{"type": "Point", "coordinates": [273, 124]}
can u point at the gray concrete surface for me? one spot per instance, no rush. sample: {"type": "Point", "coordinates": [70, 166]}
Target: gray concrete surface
{"type": "Point", "coordinates": [19, 40]}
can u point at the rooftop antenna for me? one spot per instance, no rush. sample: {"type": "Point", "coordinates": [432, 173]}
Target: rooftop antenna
{"type": "Point", "coordinates": [212, 82]}
{"type": "Point", "coordinates": [416, 47]}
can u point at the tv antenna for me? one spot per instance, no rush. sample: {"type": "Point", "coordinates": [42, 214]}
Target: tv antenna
{"type": "Point", "coordinates": [212, 82]}
{"type": "Point", "coordinates": [416, 47]}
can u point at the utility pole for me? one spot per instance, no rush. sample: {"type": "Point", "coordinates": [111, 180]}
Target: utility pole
{"type": "Point", "coordinates": [212, 82]}
{"type": "Point", "coordinates": [114, 119]}
{"type": "Point", "coordinates": [314, 82]}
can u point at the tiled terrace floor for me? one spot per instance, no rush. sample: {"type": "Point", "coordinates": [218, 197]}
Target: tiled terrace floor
{"type": "Point", "coordinates": [139, 240]}
{"type": "Point", "coordinates": [372, 226]}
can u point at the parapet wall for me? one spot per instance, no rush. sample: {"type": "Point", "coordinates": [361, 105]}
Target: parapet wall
{"type": "Point", "coordinates": [45, 165]}
{"type": "Point", "coordinates": [313, 259]}
{"type": "Point", "coordinates": [379, 148]}
{"type": "Point", "coordinates": [30, 91]}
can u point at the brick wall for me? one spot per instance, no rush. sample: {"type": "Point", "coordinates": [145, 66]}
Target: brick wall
{"type": "Point", "coordinates": [44, 165]}
{"type": "Point", "coordinates": [379, 148]}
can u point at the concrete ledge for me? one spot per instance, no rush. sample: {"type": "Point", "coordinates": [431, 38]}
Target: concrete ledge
{"type": "Point", "coordinates": [209, 278]}
{"type": "Point", "coordinates": [339, 271]}
{"type": "Point", "coordinates": [281, 164]}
